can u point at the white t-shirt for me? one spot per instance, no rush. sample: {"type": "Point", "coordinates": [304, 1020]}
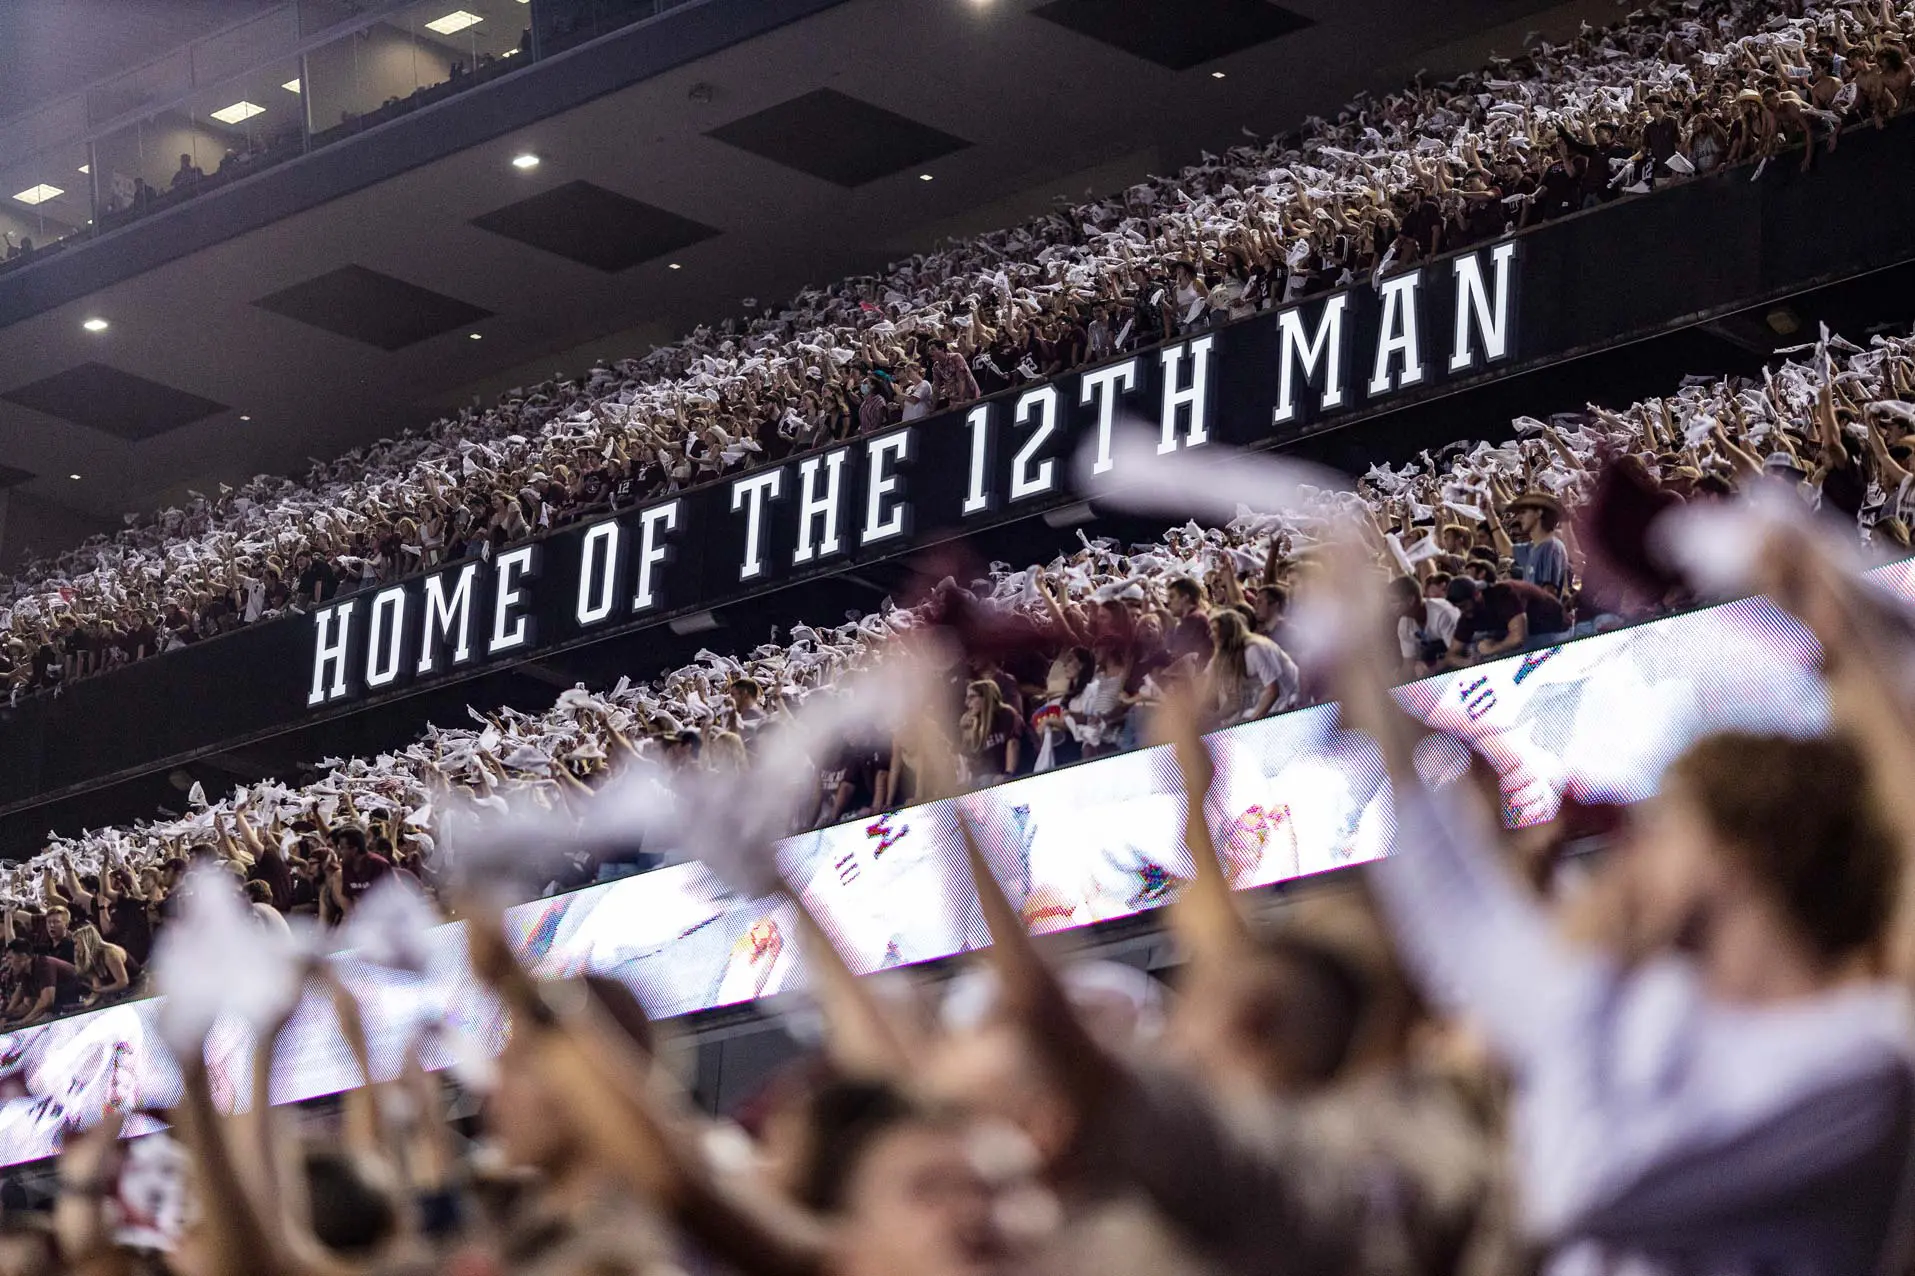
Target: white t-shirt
{"type": "Point", "coordinates": [1439, 622]}
{"type": "Point", "coordinates": [1269, 664]}
{"type": "Point", "coordinates": [917, 401]}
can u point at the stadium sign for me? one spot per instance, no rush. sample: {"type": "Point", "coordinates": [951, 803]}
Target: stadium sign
{"type": "Point", "coordinates": [1266, 378]}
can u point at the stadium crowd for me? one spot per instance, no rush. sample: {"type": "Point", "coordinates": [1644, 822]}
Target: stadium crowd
{"type": "Point", "coordinates": [1694, 1053]}
{"type": "Point", "coordinates": [1672, 91]}
{"type": "Point", "coordinates": [1047, 665]}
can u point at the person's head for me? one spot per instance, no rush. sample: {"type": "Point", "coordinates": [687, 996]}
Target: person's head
{"type": "Point", "coordinates": [1278, 1019]}
{"type": "Point", "coordinates": [982, 699]}
{"type": "Point", "coordinates": [683, 748]}
{"type": "Point", "coordinates": [1656, 107]}
{"type": "Point", "coordinates": [1605, 134]}
{"type": "Point", "coordinates": [1273, 601]}
{"type": "Point", "coordinates": [1463, 592]}
{"type": "Point", "coordinates": [1437, 585]}
{"type": "Point", "coordinates": [89, 948]}
{"type": "Point", "coordinates": [1184, 596]}
{"type": "Point", "coordinates": [257, 892]}
{"type": "Point", "coordinates": [1767, 845]}
{"type": "Point", "coordinates": [1537, 514]}
{"type": "Point", "coordinates": [58, 923]}
{"type": "Point", "coordinates": [725, 751]}
{"type": "Point", "coordinates": [19, 955]}
{"type": "Point", "coordinates": [349, 840]}
{"type": "Point", "coordinates": [899, 1186]}
{"type": "Point", "coordinates": [1405, 596]}
{"type": "Point", "coordinates": [746, 693]}
{"type": "Point", "coordinates": [1230, 634]}
{"type": "Point", "coordinates": [186, 162]}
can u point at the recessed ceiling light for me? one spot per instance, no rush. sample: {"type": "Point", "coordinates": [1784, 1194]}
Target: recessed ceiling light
{"type": "Point", "coordinates": [74, 477]}
{"type": "Point", "coordinates": [475, 335]}
{"type": "Point", "coordinates": [525, 160]}
{"type": "Point", "coordinates": [454, 22]}
{"type": "Point", "coordinates": [238, 111]}
{"type": "Point", "coordinates": [39, 194]}
{"type": "Point", "coordinates": [924, 177]}
{"type": "Point", "coordinates": [1216, 75]}
{"type": "Point", "coordinates": [86, 168]}
{"type": "Point", "coordinates": [291, 86]}
{"type": "Point", "coordinates": [244, 417]}
{"type": "Point", "coordinates": [674, 266]}
{"type": "Point", "coordinates": [96, 324]}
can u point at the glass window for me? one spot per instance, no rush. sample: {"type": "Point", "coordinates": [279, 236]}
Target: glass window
{"type": "Point", "coordinates": [411, 57]}
{"type": "Point", "coordinates": [45, 201]}
{"type": "Point", "coordinates": [219, 134]}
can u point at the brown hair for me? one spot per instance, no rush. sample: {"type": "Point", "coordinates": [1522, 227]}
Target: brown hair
{"type": "Point", "coordinates": [1801, 818]}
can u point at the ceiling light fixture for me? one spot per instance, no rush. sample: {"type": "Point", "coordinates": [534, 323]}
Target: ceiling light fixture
{"type": "Point", "coordinates": [475, 335]}
{"type": "Point", "coordinates": [924, 177]}
{"type": "Point", "coordinates": [526, 160]}
{"type": "Point", "coordinates": [39, 194]}
{"type": "Point", "coordinates": [1216, 75]}
{"type": "Point", "coordinates": [238, 111]}
{"type": "Point", "coordinates": [291, 86]}
{"type": "Point", "coordinates": [244, 417]}
{"type": "Point", "coordinates": [674, 266]}
{"type": "Point", "coordinates": [96, 324]}
{"type": "Point", "coordinates": [74, 477]}
{"type": "Point", "coordinates": [454, 22]}
{"type": "Point", "coordinates": [86, 168]}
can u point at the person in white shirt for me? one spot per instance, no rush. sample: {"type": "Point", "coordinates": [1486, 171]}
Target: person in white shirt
{"type": "Point", "coordinates": [918, 394]}
{"type": "Point", "coordinates": [1715, 1079]}
{"type": "Point", "coordinates": [1249, 676]}
{"type": "Point", "coordinates": [1424, 625]}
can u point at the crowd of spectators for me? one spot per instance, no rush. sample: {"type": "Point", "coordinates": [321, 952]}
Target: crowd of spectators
{"type": "Point", "coordinates": [1671, 91]}
{"type": "Point", "coordinates": [1481, 544]}
{"type": "Point", "coordinates": [1490, 1054]}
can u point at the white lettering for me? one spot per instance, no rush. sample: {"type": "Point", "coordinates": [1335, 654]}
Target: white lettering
{"type": "Point", "coordinates": [880, 454]}
{"type": "Point", "coordinates": [1025, 481]}
{"type": "Point", "coordinates": [329, 652]}
{"type": "Point", "coordinates": [1294, 354]}
{"type": "Point", "coordinates": [1103, 386]}
{"type": "Point", "coordinates": [1195, 397]}
{"type": "Point", "coordinates": [509, 631]}
{"type": "Point", "coordinates": [1398, 336]}
{"type": "Point", "coordinates": [440, 614]}
{"type": "Point", "coordinates": [979, 421]}
{"type": "Point", "coordinates": [812, 506]}
{"type": "Point", "coordinates": [386, 636]}
{"type": "Point", "coordinates": [1473, 303]}
{"type": "Point", "coordinates": [598, 572]}
{"type": "Point", "coordinates": [650, 552]}
{"type": "Point", "coordinates": [751, 493]}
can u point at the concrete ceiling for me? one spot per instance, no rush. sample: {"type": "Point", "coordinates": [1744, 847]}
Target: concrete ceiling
{"type": "Point", "coordinates": [1043, 111]}
{"type": "Point", "coordinates": [52, 48]}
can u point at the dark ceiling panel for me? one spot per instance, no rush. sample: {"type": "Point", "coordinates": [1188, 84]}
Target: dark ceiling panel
{"type": "Point", "coordinates": [1179, 36]}
{"type": "Point", "coordinates": [377, 309]}
{"type": "Point", "coordinates": [829, 135]}
{"type": "Point", "coordinates": [103, 398]}
{"type": "Point", "coordinates": [594, 227]}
